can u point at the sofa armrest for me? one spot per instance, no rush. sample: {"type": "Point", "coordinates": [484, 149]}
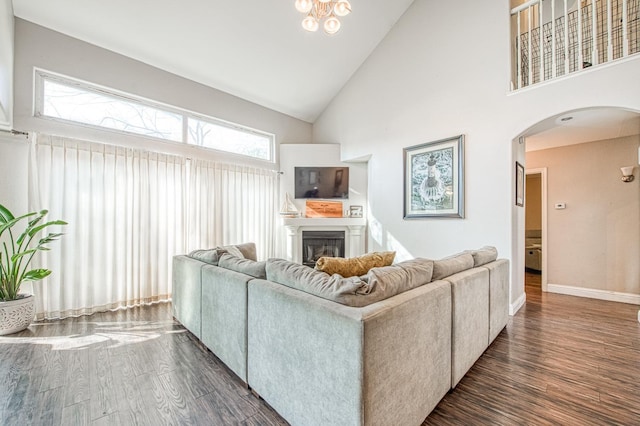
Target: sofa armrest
{"type": "Point", "coordinates": [470, 319]}
{"type": "Point", "coordinates": [319, 362]}
{"type": "Point", "coordinates": [224, 316]}
{"type": "Point", "coordinates": [498, 296]}
{"type": "Point", "coordinates": [187, 293]}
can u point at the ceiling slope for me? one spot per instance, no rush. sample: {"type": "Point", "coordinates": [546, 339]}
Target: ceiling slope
{"type": "Point", "coordinates": [253, 49]}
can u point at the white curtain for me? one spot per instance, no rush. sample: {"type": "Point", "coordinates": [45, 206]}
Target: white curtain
{"type": "Point", "coordinates": [230, 204]}
{"type": "Point", "coordinates": [129, 212]}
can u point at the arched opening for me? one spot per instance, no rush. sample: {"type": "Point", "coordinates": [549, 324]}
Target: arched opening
{"type": "Point", "coordinates": [588, 241]}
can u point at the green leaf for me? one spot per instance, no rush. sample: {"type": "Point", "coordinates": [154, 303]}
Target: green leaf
{"type": "Point", "coordinates": [37, 229]}
{"type": "Point", "coordinates": [35, 274]}
{"type": "Point", "coordinates": [9, 224]}
{"type": "Point", "coordinates": [5, 214]}
{"type": "Point", "coordinates": [17, 256]}
{"type": "Point", "coordinates": [49, 238]}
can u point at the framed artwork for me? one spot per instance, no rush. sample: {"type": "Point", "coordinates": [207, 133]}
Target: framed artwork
{"type": "Point", "coordinates": [519, 184]}
{"type": "Point", "coordinates": [434, 179]}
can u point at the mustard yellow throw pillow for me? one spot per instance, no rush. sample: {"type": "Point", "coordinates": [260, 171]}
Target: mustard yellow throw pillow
{"type": "Point", "coordinates": [355, 266]}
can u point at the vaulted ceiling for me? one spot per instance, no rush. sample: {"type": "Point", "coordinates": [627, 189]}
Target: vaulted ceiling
{"type": "Point", "coordinates": [253, 49]}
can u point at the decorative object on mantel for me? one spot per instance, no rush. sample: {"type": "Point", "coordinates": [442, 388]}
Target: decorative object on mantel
{"type": "Point", "coordinates": [434, 179]}
{"type": "Point", "coordinates": [288, 209]}
{"type": "Point", "coordinates": [17, 310]}
{"type": "Point", "coordinates": [317, 10]}
{"type": "Point", "coordinates": [355, 211]}
{"type": "Point", "coordinates": [323, 208]}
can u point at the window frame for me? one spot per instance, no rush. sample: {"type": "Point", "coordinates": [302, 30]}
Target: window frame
{"type": "Point", "coordinates": [40, 76]}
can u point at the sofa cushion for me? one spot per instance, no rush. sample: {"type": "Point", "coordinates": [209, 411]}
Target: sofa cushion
{"type": "Point", "coordinates": [355, 266]}
{"type": "Point", "coordinates": [483, 255]}
{"type": "Point", "coordinates": [388, 281]}
{"type": "Point", "coordinates": [244, 266]}
{"type": "Point", "coordinates": [212, 256]}
{"type": "Point", "coordinates": [380, 283]}
{"type": "Point", "coordinates": [301, 277]}
{"type": "Point", "coordinates": [452, 265]}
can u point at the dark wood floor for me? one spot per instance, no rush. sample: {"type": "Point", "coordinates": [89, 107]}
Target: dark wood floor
{"type": "Point", "coordinates": [561, 360]}
{"type": "Point", "coordinates": [133, 367]}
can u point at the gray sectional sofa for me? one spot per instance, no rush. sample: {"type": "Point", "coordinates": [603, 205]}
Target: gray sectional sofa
{"type": "Point", "coordinates": [380, 349]}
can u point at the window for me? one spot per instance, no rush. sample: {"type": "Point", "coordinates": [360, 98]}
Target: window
{"type": "Point", "coordinates": [225, 138]}
{"type": "Point", "coordinates": [77, 104]}
{"type": "Point", "coordinates": [65, 99]}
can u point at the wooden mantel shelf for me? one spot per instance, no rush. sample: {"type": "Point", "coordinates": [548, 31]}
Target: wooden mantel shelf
{"type": "Point", "coordinates": [325, 221]}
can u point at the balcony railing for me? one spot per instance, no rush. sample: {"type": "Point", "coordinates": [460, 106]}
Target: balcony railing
{"type": "Point", "coordinates": [572, 38]}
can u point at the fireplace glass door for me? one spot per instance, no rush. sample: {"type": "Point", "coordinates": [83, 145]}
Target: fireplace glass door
{"type": "Point", "coordinates": [316, 244]}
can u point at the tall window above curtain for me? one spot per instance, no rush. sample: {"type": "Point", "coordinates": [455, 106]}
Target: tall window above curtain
{"type": "Point", "coordinates": [65, 99]}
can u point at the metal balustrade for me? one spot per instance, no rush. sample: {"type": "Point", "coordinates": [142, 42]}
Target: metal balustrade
{"type": "Point", "coordinates": [575, 35]}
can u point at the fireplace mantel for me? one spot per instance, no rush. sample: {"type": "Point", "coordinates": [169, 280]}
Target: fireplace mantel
{"type": "Point", "coordinates": [353, 228]}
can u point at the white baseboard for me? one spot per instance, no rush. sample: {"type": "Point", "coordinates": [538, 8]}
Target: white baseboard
{"type": "Point", "coordinates": [515, 307]}
{"type": "Point", "coordinates": [612, 296]}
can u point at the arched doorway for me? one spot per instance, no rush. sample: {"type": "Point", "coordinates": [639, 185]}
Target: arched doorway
{"type": "Point", "coordinates": [592, 243]}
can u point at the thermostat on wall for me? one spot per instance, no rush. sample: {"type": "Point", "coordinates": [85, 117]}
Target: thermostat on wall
{"type": "Point", "coordinates": [560, 206]}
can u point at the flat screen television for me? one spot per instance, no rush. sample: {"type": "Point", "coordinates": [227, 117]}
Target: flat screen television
{"type": "Point", "coordinates": [322, 182]}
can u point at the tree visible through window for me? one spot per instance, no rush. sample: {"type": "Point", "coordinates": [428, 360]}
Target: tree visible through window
{"type": "Point", "coordinates": [216, 136]}
{"type": "Point", "coordinates": [88, 107]}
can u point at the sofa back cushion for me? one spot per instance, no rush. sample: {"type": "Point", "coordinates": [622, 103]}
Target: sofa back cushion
{"type": "Point", "coordinates": [483, 255]}
{"type": "Point", "coordinates": [244, 266]}
{"type": "Point", "coordinates": [301, 277]}
{"type": "Point", "coordinates": [212, 256]}
{"type": "Point", "coordinates": [388, 281]}
{"type": "Point", "coordinates": [452, 265]}
{"type": "Point", "coordinates": [379, 284]}
{"type": "Point", "coordinates": [355, 266]}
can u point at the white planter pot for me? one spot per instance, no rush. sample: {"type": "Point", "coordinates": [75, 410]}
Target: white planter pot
{"type": "Point", "coordinates": [16, 315]}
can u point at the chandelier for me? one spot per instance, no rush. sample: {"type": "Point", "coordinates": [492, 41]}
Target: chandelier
{"type": "Point", "coordinates": [317, 10]}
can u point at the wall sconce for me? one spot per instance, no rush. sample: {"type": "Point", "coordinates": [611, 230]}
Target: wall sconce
{"type": "Point", "coordinates": [627, 173]}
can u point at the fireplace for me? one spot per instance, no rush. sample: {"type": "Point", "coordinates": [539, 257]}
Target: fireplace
{"type": "Point", "coordinates": [316, 244]}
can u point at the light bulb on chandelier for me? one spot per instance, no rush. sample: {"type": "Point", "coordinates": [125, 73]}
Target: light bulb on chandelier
{"type": "Point", "coordinates": [317, 10]}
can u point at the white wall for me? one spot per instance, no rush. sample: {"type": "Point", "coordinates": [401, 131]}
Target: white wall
{"type": "Point", "coordinates": [36, 46]}
{"type": "Point", "coordinates": [6, 65]}
{"type": "Point", "coordinates": [14, 156]}
{"type": "Point", "coordinates": [444, 70]}
{"type": "Point", "coordinates": [593, 244]}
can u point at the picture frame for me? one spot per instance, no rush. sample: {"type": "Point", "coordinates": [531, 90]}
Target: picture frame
{"type": "Point", "coordinates": [434, 179]}
{"type": "Point", "coordinates": [519, 185]}
{"type": "Point", "coordinates": [355, 211]}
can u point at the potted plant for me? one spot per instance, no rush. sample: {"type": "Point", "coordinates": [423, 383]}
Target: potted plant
{"type": "Point", "coordinates": [17, 310]}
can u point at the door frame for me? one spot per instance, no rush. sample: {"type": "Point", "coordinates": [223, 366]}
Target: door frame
{"type": "Point", "coordinates": [542, 171]}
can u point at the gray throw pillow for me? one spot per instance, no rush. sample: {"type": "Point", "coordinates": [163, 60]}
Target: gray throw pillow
{"type": "Point", "coordinates": [207, 256]}
{"type": "Point", "coordinates": [452, 265]}
{"type": "Point", "coordinates": [244, 266]}
{"type": "Point", "coordinates": [483, 255]}
{"type": "Point", "coordinates": [212, 256]}
{"type": "Point", "coordinates": [248, 250]}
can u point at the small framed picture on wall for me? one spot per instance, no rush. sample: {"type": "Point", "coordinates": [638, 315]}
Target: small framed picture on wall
{"type": "Point", "coordinates": [519, 184]}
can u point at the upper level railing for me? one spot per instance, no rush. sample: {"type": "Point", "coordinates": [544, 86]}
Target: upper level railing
{"type": "Point", "coordinates": [575, 35]}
